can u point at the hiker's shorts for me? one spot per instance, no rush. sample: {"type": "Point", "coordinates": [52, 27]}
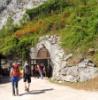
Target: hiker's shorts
{"type": "Point", "coordinates": [27, 78]}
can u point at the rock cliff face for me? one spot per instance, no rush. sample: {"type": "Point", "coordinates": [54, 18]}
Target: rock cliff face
{"type": "Point", "coordinates": [80, 72]}
{"type": "Point", "coordinates": [15, 9]}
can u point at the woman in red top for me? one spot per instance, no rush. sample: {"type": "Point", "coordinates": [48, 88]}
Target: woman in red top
{"type": "Point", "coordinates": [15, 75]}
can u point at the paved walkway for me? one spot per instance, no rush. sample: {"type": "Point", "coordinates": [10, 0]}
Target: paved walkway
{"type": "Point", "coordinates": [44, 90]}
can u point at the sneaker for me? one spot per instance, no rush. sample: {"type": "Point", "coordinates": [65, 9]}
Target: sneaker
{"type": "Point", "coordinates": [27, 89]}
{"type": "Point", "coordinates": [13, 95]}
{"type": "Point", "coordinates": [17, 92]}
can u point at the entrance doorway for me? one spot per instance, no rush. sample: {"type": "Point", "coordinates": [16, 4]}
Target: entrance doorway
{"type": "Point", "coordinates": [43, 58]}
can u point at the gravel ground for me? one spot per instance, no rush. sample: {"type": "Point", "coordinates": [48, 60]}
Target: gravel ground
{"type": "Point", "coordinates": [44, 90]}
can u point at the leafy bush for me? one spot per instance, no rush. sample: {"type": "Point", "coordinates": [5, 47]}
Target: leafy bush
{"type": "Point", "coordinates": [47, 8]}
{"type": "Point", "coordinates": [76, 22]}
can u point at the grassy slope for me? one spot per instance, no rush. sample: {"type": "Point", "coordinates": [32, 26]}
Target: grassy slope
{"type": "Point", "coordinates": [76, 24]}
{"type": "Point", "coordinates": [91, 85]}
{"type": "Point", "coordinates": [75, 21]}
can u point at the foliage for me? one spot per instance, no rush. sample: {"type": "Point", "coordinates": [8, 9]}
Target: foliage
{"type": "Point", "coordinates": [83, 26]}
{"type": "Point", "coordinates": [47, 8]}
{"type": "Point", "coordinates": [8, 45]}
{"type": "Point", "coordinates": [75, 21]}
{"type": "Point", "coordinates": [24, 44]}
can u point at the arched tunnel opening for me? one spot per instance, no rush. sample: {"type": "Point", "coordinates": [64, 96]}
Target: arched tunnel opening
{"type": "Point", "coordinates": [43, 60]}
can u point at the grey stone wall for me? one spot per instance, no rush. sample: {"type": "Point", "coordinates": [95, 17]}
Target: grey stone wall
{"type": "Point", "coordinates": [83, 71]}
{"type": "Point", "coordinates": [15, 9]}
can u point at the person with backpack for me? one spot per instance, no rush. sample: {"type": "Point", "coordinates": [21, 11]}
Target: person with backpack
{"type": "Point", "coordinates": [27, 76]}
{"type": "Point", "coordinates": [15, 75]}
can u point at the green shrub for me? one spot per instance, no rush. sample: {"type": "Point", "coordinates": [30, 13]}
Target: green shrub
{"type": "Point", "coordinates": [47, 8]}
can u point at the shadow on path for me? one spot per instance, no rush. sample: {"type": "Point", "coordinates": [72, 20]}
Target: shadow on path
{"type": "Point", "coordinates": [36, 92]}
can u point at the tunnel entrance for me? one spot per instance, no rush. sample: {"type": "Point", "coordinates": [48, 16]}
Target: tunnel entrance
{"type": "Point", "coordinates": [3, 71]}
{"type": "Point", "coordinates": [43, 58]}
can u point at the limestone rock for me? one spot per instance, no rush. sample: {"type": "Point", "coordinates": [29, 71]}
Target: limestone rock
{"type": "Point", "coordinates": [15, 9]}
{"type": "Point", "coordinates": [80, 72]}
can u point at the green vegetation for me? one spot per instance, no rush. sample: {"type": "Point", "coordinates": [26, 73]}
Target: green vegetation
{"type": "Point", "coordinates": [75, 21]}
{"type": "Point", "coordinates": [51, 6]}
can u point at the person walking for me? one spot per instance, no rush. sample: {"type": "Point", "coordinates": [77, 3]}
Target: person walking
{"type": "Point", "coordinates": [40, 71]}
{"type": "Point", "coordinates": [43, 69]}
{"type": "Point", "coordinates": [27, 76]}
{"type": "Point", "coordinates": [15, 75]}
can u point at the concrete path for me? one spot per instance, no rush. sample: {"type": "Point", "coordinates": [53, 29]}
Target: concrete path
{"type": "Point", "coordinates": [44, 90]}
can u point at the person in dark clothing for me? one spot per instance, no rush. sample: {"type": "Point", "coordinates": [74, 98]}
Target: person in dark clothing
{"type": "Point", "coordinates": [27, 76]}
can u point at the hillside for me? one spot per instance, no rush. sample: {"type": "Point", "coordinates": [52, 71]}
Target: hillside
{"type": "Point", "coordinates": [75, 21]}
{"type": "Point", "coordinates": [15, 9]}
